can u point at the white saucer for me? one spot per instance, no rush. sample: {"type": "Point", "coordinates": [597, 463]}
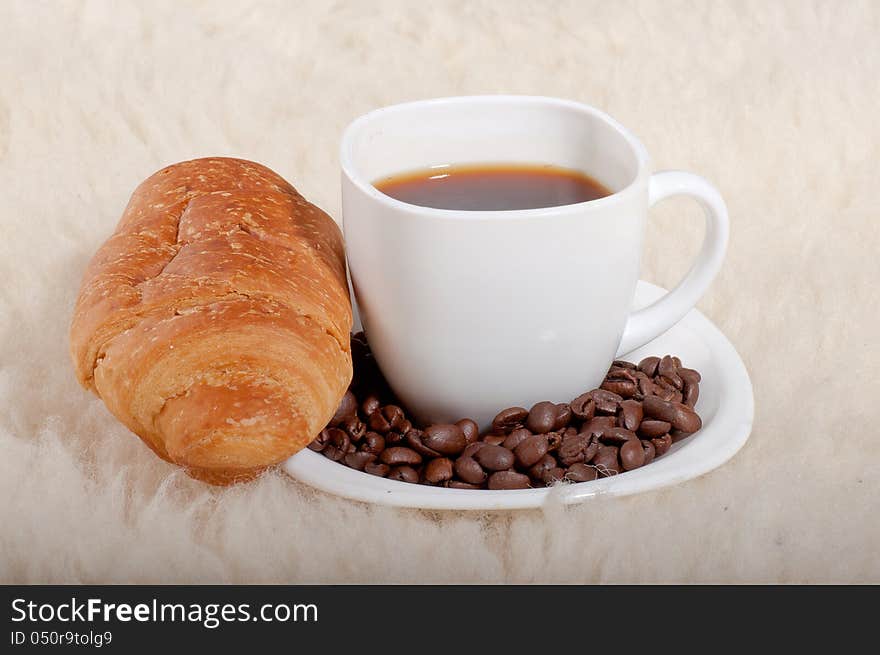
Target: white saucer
{"type": "Point", "coordinates": [726, 406]}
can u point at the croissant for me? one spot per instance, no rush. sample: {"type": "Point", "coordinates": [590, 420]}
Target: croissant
{"type": "Point", "coordinates": [214, 323]}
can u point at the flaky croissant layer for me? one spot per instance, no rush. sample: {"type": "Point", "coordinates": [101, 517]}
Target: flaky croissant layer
{"type": "Point", "coordinates": [214, 322]}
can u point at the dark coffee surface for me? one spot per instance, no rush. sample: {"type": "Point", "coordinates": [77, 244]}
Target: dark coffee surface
{"type": "Point", "coordinates": [493, 187]}
{"type": "Point", "coordinates": [637, 414]}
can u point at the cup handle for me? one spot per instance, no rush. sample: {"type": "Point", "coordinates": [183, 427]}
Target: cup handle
{"type": "Point", "coordinates": [647, 323]}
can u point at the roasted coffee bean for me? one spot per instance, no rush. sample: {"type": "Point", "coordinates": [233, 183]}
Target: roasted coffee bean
{"type": "Point", "coordinates": [509, 420]}
{"type": "Point", "coordinates": [678, 435]}
{"type": "Point", "coordinates": [607, 402]}
{"type": "Point", "coordinates": [358, 460]}
{"type": "Point", "coordinates": [403, 474]}
{"type": "Point", "coordinates": [662, 445]}
{"type": "Point", "coordinates": [617, 436]}
{"type": "Point", "coordinates": [337, 444]}
{"type": "Point", "coordinates": [657, 408]}
{"type": "Point", "coordinates": [622, 388]}
{"type": "Point", "coordinates": [649, 365]}
{"type": "Point", "coordinates": [690, 394]}
{"type": "Point", "coordinates": [648, 447]}
{"type": "Point", "coordinates": [621, 373]}
{"type": "Point", "coordinates": [563, 416]}
{"type": "Point", "coordinates": [370, 404]}
{"type": "Point", "coordinates": [415, 440]}
{"type": "Point", "coordinates": [377, 468]}
{"type": "Point", "coordinates": [347, 409]}
{"type": "Point", "coordinates": [632, 455]}
{"type": "Point", "coordinates": [373, 443]}
{"type": "Point", "coordinates": [606, 462]}
{"type": "Point", "coordinates": [647, 386]}
{"type": "Point", "coordinates": [591, 451]}
{"type": "Point", "coordinates": [400, 455]}
{"type": "Point", "coordinates": [546, 463]}
{"type": "Point", "coordinates": [320, 442]}
{"type": "Point", "coordinates": [494, 439]}
{"type": "Point", "coordinates": [552, 476]}
{"type": "Point", "coordinates": [689, 374]}
{"type": "Point", "coordinates": [583, 407]}
{"type": "Point", "coordinates": [378, 423]}
{"type": "Point", "coordinates": [541, 417]}
{"type": "Point", "coordinates": [458, 484]}
{"type": "Point", "coordinates": [666, 368]}
{"type": "Point", "coordinates": [394, 439]}
{"type": "Point", "coordinates": [685, 419]}
{"type": "Point", "coordinates": [581, 473]}
{"type": "Point", "coordinates": [599, 424]}
{"type": "Point", "coordinates": [470, 429]}
{"type": "Point", "coordinates": [573, 448]}
{"type": "Point", "coordinates": [508, 480]}
{"type": "Point", "coordinates": [472, 448]}
{"type": "Point", "coordinates": [404, 427]}
{"type": "Point", "coordinates": [494, 458]}
{"type": "Point", "coordinates": [395, 417]}
{"type": "Point", "coordinates": [515, 438]}
{"type": "Point", "coordinates": [468, 470]}
{"type": "Point", "coordinates": [669, 392]}
{"type": "Point", "coordinates": [445, 439]}
{"type": "Point", "coordinates": [355, 428]}
{"type": "Point", "coordinates": [653, 428]}
{"type": "Point", "coordinates": [438, 470]}
{"type": "Point", "coordinates": [631, 414]}
{"type": "Point", "coordinates": [624, 364]}
{"type": "Point", "coordinates": [531, 450]}
{"type": "Point", "coordinates": [351, 448]}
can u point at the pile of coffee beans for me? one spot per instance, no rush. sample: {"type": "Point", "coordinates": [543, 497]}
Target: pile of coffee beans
{"type": "Point", "coordinates": [636, 415]}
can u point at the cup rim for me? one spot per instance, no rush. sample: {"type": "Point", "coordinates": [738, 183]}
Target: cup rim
{"type": "Point", "coordinates": [346, 157]}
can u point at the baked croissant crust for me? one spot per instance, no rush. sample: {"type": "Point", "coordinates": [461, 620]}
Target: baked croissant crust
{"type": "Point", "coordinates": [214, 322]}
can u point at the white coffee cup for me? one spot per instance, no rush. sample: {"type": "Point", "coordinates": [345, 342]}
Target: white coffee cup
{"type": "Point", "coordinates": [469, 312]}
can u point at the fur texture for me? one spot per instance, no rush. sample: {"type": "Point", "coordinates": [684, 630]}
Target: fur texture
{"type": "Point", "coordinates": [775, 102]}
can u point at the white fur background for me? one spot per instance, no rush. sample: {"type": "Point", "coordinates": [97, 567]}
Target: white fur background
{"type": "Point", "coordinates": [777, 102]}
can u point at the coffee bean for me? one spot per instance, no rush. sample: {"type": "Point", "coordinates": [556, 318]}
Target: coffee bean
{"type": "Point", "coordinates": [395, 417]}
{"type": "Point", "coordinates": [622, 388]}
{"type": "Point", "coordinates": [354, 427]}
{"type": "Point", "coordinates": [445, 439]}
{"type": "Point", "coordinates": [377, 468]}
{"type": "Point", "coordinates": [509, 420]}
{"type": "Point", "coordinates": [546, 463]}
{"type": "Point", "coordinates": [403, 474]}
{"type": "Point", "coordinates": [553, 476]}
{"type": "Point", "coordinates": [648, 447]}
{"type": "Point", "coordinates": [659, 409]}
{"type": "Point", "coordinates": [472, 448]}
{"type": "Point", "coordinates": [690, 393]}
{"type": "Point", "coordinates": [678, 435]}
{"type": "Point", "coordinates": [632, 455]}
{"type": "Point", "coordinates": [370, 404]}
{"type": "Point", "coordinates": [400, 455]}
{"type": "Point", "coordinates": [689, 374]}
{"type": "Point", "coordinates": [494, 458]}
{"type": "Point", "coordinates": [393, 438]}
{"type": "Point", "coordinates": [583, 407]}
{"type": "Point", "coordinates": [508, 480]}
{"type": "Point", "coordinates": [647, 386]}
{"type": "Point", "coordinates": [470, 429]}
{"type": "Point", "coordinates": [337, 444]}
{"type": "Point", "coordinates": [653, 428]}
{"type": "Point", "coordinates": [581, 473]}
{"type": "Point", "coordinates": [541, 417]}
{"type": "Point", "coordinates": [403, 426]}
{"type": "Point", "coordinates": [599, 424]}
{"type": "Point", "coordinates": [458, 484]}
{"type": "Point", "coordinates": [573, 448]}
{"type": "Point", "coordinates": [438, 470]}
{"type": "Point", "coordinates": [469, 470]}
{"type": "Point", "coordinates": [373, 443]}
{"type": "Point", "coordinates": [686, 419]}
{"type": "Point", "coordinates": [621, 373]}
{"type": "Point", "coordinates": [666, 368]}
{"type": "Point", "coordinates": [606, 462]}
{"type": "Point", "coordinates": [591, 451]}
{"type": "Point", "coordinates": [415, 440]}
{"type": "Point", "coordinates": [606, 401]}
{"type": "Point", "coordinates": [662, 444]}
{"type": "Point", "coordinates": [631, 414]}
{"type": "Point", "coordinates": [515, 438]}
{"type": "Point", "coordinates": [351, 448]}
{"type": "Point", "coordinates": [563, 416]}
{"type": "Point", "coordinates": [320, 442]}
{"type": "Point", "coordinates": [624, 364]}
{"type": "Point", "coordinates": [494, 439]}
{"type": "Point", "coordinates": [378, 423]}
{"type": "Point", "coordinates": [617, 436]}
{"type": "Point", "coordinates": [648, 366]}
{"type": "Point", "coordinates": [347, 409]}
{"type": "Point", "coordinates": [358, 460]}
{"type": "Point", "coordinates": [531, 450]}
